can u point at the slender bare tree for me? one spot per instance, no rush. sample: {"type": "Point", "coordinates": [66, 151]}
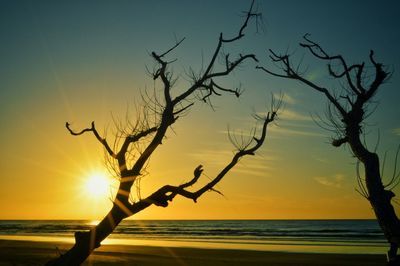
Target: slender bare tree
{"type": "Point", "coordinates": [138, 140]}
{"type": "Point", "coordinates": [346, 113]}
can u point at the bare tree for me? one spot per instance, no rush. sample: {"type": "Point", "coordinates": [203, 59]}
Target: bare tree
{"type": "Point", "coordinates": [346, 113]}
{"type": "Point", "coordinates": [137, 141]}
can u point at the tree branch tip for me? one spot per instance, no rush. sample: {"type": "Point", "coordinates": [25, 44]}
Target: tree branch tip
{"type": "Point", "coordinates": [199, 169]}
{"type": "Point", "coordinates": [217, 191]}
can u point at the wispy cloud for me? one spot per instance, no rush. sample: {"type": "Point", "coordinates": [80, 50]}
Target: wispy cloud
{"type": "Point", "coordinates": [286, 98]}
{"type": "Point", "coordinates": [315, 74]}
{"type": "Point", "coordinates": [255, 166]}
{"type": "Point", "coordinates": [322, 160]}
{"type": "Point", "coordinates": [215, 157]}
{"type": "Point", "coordinates": [294, 123]}
{"type": "Point", "coordinates": [276, 132]}
{"type": "Point", "coordinates": [289, 123]}
{"type": "Point", "coordinates": [334, 181]}
{"type": "Point", "coordinates": [283, 131]}
{"type": "Point", "coordinates": [288, 114]}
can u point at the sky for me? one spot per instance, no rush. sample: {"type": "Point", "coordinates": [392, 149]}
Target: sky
{"type": "Point", "coordinates": [83, 61]}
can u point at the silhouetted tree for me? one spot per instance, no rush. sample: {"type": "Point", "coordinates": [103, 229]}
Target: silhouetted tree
{"type": "Point", "coordinates": [346, 113]}
{"type": "Point", "coordinates": [135, 145]}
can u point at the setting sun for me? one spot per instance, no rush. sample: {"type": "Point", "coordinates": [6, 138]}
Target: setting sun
{"type": "Point", "coordinates": [97, 185]}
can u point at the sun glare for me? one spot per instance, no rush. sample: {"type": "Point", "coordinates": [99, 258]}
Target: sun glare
{"type": "Point", "coordinates": [97, 185]}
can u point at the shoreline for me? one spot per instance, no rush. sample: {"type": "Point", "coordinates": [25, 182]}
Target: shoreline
{"type": "Point", "coordinates": [22, 252]}
{"type": "Point", "coordinates": [287, 246]}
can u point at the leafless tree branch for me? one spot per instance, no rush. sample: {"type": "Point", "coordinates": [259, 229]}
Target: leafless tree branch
{"type": "Point", "coordinates": [346, 114]}
{"type": "Point", "coordinates": [103, 141]}
{"type": "Point", "coordinates": [168, 192]}
{"type": "Point", "coordinates": [138, 139]}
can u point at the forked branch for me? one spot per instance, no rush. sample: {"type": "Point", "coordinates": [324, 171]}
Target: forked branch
{"type": "Point", "coordinates": [103, 141]}
{"type": "Point", "coordinates": [203, 80]}
{"type": "Point", "coordinates": [136, 149]}
{"type": "Point", "coordinates": [134, 138]}
{"type": "Point", "coordinates": [291, 72]}
{"type": "Point", "coordinates": [348, 118]}
{"type": "Point", "coordinates": [168, 192]}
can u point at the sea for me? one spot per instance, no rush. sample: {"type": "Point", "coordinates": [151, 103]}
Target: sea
{"type": "Point", "coordinates": [311, 236]}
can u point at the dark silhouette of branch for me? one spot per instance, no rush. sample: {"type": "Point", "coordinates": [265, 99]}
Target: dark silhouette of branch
{"type": "Point", "coordinates": [212, 88]}
{"type": "Point", "coordinates": [168, 192]}
{"type": "Point", "coordinates": [347, 117]}
{"type": "Point", "coordinates": [139, 139]}
{"type": "Point", "coordinates": [291, 73]}
{"type": "Point", "coordinates": [96, 134]}
{"type": "Point", "coordinates": [229, 66]}
{"type": "Point", "coordinates": [320, 53]}
{"type": "Point", "coordinates": [169, 50]}
{"type": "Point", "coordinates": [134, 138]}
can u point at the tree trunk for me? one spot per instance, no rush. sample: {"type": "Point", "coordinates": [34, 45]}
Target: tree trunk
{"type": "Point", "coordinates": [379, 198]}
{"type": "Point", "coordinates": [86, 242]}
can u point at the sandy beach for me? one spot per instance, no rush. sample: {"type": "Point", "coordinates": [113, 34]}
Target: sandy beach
{"type": "Point", "coordinates": [37, 253]}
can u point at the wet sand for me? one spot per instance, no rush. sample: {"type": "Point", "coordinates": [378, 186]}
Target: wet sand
{"type": "Point", "coordinates": [13, 252]}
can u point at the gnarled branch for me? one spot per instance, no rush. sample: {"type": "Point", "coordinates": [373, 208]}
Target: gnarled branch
{"type": "Point", "coordinates": [348, 121]}
{"type": "Point", "coordinates": [291, 73]}
{"type": "Point", "coordinates": [168, 192]}
{"type": "Point", "coordinates": [208, 74]}
{"type": "Point", "coordinates": [136, 150]}
{"type": "Point", "coordinates": [103, 141]}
